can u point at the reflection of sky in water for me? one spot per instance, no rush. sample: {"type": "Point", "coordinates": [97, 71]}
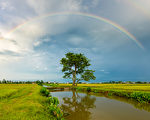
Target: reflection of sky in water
{"type": "Point", "coordinates": [61, 95]}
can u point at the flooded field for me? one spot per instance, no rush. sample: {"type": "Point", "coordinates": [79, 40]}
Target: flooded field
{"type": "Point", "coordinates": [83, 106]}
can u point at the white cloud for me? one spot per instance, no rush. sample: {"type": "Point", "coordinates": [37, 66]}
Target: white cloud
{"type": "Point", "coordinates": [29, 76]}
{"type": "Point", "coordinates": [5, 5]}
{"type": "Point", "coordinates": [95, 3]}
{"type": "Point", "coordinates": [75, 40]}
{"type": "Point", "coordinates": [37, 43]}
{"type": "Point", "coordinates": [17, 53]}
{"type": "Point", "coordinates": [143, 4]}
{"type": "Point", "coordinates": [10, 45]}
{"type": "Point", "coordinates": [80, 50]}
{"type": "Point", "coordinates": [25, 37]}
{"type": "Point", "coordinates": [44, 6]}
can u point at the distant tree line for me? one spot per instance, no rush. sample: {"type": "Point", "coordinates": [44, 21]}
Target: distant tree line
{"type": "Point", "coordinates": [126, 82]}
{"type": "Point", "coordinates": [39, 82]}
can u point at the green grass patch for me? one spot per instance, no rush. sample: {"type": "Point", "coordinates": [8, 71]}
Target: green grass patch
{"type": "Point", "coordinates": [23, 102]}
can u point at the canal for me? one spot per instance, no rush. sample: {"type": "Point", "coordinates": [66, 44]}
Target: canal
{"type": "Point", "coordinates": [87, 106]}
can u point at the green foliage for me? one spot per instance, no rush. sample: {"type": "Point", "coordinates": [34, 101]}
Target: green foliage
{"type": "Point", "coordinates": [141, 97]}
{"type": "Point", "coordinates": [39, 82]}
{"type": "Point", "coordinates": [88, 75]}
{"type": "Point", "coordinates": [51, 84]}
{"type": "Point", "coordinates": [138, 92]}
{"type": "Point", "coordinates": [96, 91]}
{"type": "Point", "coordinates": [53, 100]}
{"type": "Point", "coordinates": [15, 82]}
{"type": "Point", "coordinates": [78, 88]}
{"type": "Point", "coordinates": [76, 64]}
{"type": "Point", "coordinates": [139, 82]}
{"type": "Point", "coordinates": [44, 92]}
{"type": "Point", "coordinates": [52, 104]}
{"type": "Point", "coordinates": [88, 89]}
{"type": "Point", "coordinates": [110, 94]}
{"type": "Point", "coordinates": [54, 109]}
{"type": "Point", "coordinates": [23, 102]}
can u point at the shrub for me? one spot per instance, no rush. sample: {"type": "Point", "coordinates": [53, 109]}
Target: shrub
{"type": "Point", "coordinates": [53, 104]}
{"type": "Point", "coordinates": [110, 93]}
{"type": "Point", "coordinates": [53, 100]}
{"type": "Point", "coordinates": [39, 82]}
{"type": "Point", "coordinates": [56, 111]}
{"type": "Point", "coordinates": [141, 97]}
{"type": "Point", "coordinates": [78, 88]}
{"type": "Point", "coordinates": [88, 89]}
{"type": "Point", "coordinates": [96, 91]}
{"type": "Point", "coordinates": [44, 91]}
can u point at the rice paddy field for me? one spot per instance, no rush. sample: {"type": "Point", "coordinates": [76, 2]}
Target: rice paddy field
{"type": "Point", "coordinates": [22, 102]}
{"type": "Point", "coordinates": [25, 102]}
{"type": "Point", "coordinates": [121, 87]}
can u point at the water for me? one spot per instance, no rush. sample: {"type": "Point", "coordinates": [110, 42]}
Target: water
{"type": "Point", "coordinates": [82, 106]}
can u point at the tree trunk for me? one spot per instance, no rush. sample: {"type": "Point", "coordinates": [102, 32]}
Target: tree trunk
{"type": "Point", "coordinates": [74, 77]}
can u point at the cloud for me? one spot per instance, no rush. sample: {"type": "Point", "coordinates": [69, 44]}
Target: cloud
{"type": "Point", "coordinates": [8, 45]}
{"type": "Point", "coordinates": [95, 3]}
{"type": "Point", "coordinates": [143, 4]}
{"type": "Point", "coordinates": [38, 36]}
{"type": "Point", "coordinates": [34, 49]}
{"type": "Point", "coordinates": [75, 40]}
{"type": "Point", "coordinates": [10, 53]}
{"type": "Point", "coordinates": [44, 6]}
{"type": "Point", "coordinates": [5, 5]}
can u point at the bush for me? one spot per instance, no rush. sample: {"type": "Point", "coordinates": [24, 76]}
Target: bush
{"type": "Point", "coordinates": [88, 89]}
{"type": "Point", "coordinates": [44, 91]}
{"type": "Point", "coordinates": [141, 97]}
{"type": "Point", "coordinates": [96, 91]}
{"type": "Point", "coordinates": [56, 111]}
{"type": "Point", "coordinates": [39, 82]}
{"type": "Point", "coordinates": [79, 89]}
{"type": "Point", "coordinates": [53, 100]}
{"type": "Point", "coordinates": [53, 104]}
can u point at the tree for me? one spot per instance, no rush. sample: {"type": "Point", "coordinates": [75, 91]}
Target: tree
{"type": "Point", "coordinates": [4, 81]}
{"type": "Point", "coordinates": [39, 82]}
{"type": "Point", "coordinates": [76, 65]}
{"type": "Point", "coordinates": [77, 104]}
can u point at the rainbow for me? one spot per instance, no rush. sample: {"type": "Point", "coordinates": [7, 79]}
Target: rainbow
{"type": "Point", "coordinates": [113, 24]}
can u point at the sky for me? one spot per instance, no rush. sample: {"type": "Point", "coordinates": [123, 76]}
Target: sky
{"type": "Point", "coordinates": [113, 34]}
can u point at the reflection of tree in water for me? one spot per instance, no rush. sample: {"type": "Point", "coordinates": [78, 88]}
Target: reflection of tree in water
{"type": "Point", "coordinates": [78, 107]}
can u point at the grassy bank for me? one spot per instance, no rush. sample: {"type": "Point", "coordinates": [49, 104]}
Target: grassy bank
{"type": "Point", "coordinates": [126, 87]}
{"type": "Point", "coordinates": [23, 102]}
{"type": "Point", "coordinates": [138, 92]}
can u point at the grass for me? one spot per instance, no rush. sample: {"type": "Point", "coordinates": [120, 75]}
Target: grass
{"type": "Point", "coordinates": [138, 92]}
{"type": "Point", "coordinates": [23, 102]}
{"type": "Point", "coordinates": [123, 87]}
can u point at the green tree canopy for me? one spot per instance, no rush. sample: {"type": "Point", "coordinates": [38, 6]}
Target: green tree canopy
{"type": "Point", "coordinates": [76, 65]}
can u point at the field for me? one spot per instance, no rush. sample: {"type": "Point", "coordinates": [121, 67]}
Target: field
{"type": "Point", "coordinates": [25, 102]}
{"type": "Point", "coordinates": [121, 87]}
{"type": "Point", "coordinates": [138, 92]}
{"type": "Point", "coordinates": [22, 102]}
